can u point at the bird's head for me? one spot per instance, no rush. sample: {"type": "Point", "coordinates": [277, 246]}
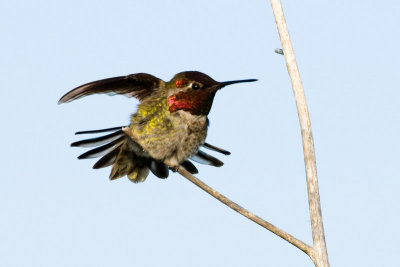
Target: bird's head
{"type": "Point", "coordinates": [194, 92]}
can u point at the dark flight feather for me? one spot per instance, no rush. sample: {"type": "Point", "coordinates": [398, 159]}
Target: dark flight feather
{"type": "Point", "coordinates": [97, 141]}
{"type": "Point", "coordinates": [216, 149]}
{"type": "Point", "coordinates": [159, 169]}
{"type": "Point", "coordinates": [139, 85]}
{"type": "Point", "coordinates": [101, 130]}
{"type": "Point", "coordinates": [190, 167]}
{"type": "Point", "coordinates": [99, 151]}
{"type": "Point", "coordinates": [108, 159]}
{"type": "Point", "coordinates": [203, 158]}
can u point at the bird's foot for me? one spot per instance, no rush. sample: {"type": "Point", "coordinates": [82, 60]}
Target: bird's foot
{"type": "Point", "coordinates": [174, 169]}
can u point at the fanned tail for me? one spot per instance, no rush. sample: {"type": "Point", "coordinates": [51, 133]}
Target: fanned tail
{"type": "Point", "coordinates": [127, 157]}
{"type": "Point", "coordinates": [122, 153]}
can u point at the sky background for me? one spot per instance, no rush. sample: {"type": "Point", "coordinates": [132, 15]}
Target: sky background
{"type": "Point", "coordinates": [57, 211]}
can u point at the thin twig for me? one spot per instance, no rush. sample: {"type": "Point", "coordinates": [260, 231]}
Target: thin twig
{"type": "Point", "coordinates": [319, 244]}
{"type": "Point", "coordinates": [291, 239]}
{"type": "Point", "coordinates": [278, 51]}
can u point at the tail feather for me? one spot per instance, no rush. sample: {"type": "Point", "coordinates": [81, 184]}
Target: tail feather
{"type": "Point", "coordinates": [190, 167]}
{"type": "Point", "coordinates": [159, 169]}
{"type": "Point", "coordinates": [128, 162]}
{"type": "Point", "coordinates": [101, 130]}
{"type": "Point", "coordinates": [101, 150]}
{"type": "Point", "coordinates": [139, 175]}
{"type": "Point", "coordinates": [97, 141]}
{"type": "Point", "coordinates": [216, 149]}
{"type": "Point", "coordinates": [203, 158]}
{"type": "Point", "coordinates": [107, 159]}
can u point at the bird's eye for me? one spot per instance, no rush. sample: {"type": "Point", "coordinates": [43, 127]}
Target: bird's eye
{"type": "Point", "coordinates": [195, 86]}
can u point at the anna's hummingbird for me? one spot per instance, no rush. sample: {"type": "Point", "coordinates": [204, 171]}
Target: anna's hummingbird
{"type": "Point", "coordinates": [167, 130]}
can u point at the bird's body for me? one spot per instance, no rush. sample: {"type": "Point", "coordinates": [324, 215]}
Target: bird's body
{"type": "Point", "coordinates": [167, 130]}
{"type": "Point", "coordinates": [168, 137]}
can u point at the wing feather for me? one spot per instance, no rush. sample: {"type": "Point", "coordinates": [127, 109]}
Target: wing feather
{"type": "Point", "coordinates": [204, 158]}
{"type": "Point", "coordinates": [139, 85]}
{"type": "Point", "coordinates": [217, 149]}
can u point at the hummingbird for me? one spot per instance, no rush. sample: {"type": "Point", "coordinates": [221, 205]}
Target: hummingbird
{"type": "Point", "coordinates": [167, 130]}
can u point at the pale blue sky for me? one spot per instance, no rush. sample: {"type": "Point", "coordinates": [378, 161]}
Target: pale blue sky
{"type": "Point", "coordinates": [57, 211]}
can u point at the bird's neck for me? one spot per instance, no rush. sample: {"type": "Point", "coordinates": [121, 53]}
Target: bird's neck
{"type": "Point", "coordinates": [197, 103]}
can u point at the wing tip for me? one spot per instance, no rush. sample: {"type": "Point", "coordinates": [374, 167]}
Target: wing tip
{"type": "Point", "coordinates": [64, 99]}
{"type": "Point", "coordinates": [74, 144]}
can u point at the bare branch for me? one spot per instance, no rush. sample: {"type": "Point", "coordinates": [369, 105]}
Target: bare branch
{"type": "Point", "coordinates": [289, 238]}
{"type": "Point", "coordinates": [318, 253]}
{"type": "Point", "coordinates": [321, 255]}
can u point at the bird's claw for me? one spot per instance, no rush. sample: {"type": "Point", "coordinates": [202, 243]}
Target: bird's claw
{"type": "Point", "coordinates": [174, 169]}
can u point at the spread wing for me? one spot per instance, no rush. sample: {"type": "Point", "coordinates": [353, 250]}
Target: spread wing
{"type": "Point", "coordinates": [139, 85]}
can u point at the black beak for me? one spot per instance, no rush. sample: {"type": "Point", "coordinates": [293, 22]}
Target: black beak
{"type": "Point", "coordinates": [223, 84]}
